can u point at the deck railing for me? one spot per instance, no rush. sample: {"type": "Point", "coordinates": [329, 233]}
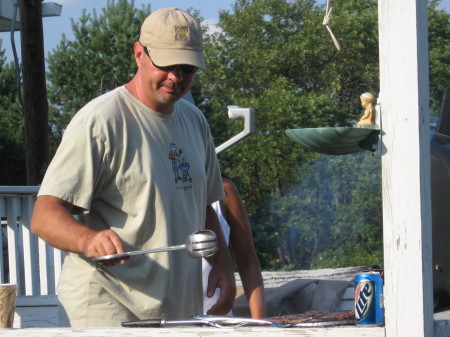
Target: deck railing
{"type": "Point", "coordinates": [27, 260]}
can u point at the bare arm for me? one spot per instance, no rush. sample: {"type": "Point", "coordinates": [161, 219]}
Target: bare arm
{"type": "Point", "coordinates": [221, 275]}
{"type": "Point", "coordinates": [241, 241]}
{"type": "Point", "coordinates": [53, 221]}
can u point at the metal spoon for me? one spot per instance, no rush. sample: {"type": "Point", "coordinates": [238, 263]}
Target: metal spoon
{"type": "Point", "coordinates": [199, 244]}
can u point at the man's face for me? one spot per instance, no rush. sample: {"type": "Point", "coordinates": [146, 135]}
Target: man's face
{"type": "Point", "coordinates": [163, 86]}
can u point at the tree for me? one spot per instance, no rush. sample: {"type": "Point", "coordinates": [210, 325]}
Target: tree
{"type": "Point", "coordinates": [439, 46]}
{"type": "Point", "coordinates": [332, 218]}
{"type": "Point", "coordinates": [12, 139]}
{"type": "Point", "coordinates": [98, 59]}
{"type": "Point", "coordinates": [277, 57]}
{"type": "Point", "coordinates": [356, 230]}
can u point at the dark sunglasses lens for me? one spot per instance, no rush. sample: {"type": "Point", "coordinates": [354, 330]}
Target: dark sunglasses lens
{"type": "Point", "coordinates": [185, 68]}
{"type": "Point", "coordinates": [167, 68]}
{"type": "Point", "coordinates": [188, 69]}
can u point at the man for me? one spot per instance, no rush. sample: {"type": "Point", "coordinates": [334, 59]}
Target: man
{"type": "Point", "coordinates": [115, 169]}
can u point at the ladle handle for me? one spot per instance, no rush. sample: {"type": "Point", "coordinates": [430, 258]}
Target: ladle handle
{"type": "Point", "coordinates": [138, 252]}
{"type": "Point", "coordinates": [156, 250]}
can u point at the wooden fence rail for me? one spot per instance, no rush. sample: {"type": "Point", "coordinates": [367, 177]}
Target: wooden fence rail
{"type": "Point", "coordinates": [27, 260]}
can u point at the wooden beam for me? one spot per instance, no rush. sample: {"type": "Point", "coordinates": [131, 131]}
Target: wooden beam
{"type": "Point", "coordinates": [404, 100]}
{"type": "Point", "coordinates": [35, 105]}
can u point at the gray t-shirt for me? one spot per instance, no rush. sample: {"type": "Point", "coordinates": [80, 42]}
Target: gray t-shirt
{"type": "Point", "coordinates": [148, 176]}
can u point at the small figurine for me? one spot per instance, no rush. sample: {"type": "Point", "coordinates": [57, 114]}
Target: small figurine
{"type": "Point", "coordinates": [367, 102]}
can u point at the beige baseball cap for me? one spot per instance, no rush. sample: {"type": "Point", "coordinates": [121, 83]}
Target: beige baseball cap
{"type": "Point", "coordinates": [172, 36]}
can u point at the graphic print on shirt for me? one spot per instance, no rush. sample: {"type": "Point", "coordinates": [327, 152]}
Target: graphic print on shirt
{"type": "Point", "coordinates": [179, 164]}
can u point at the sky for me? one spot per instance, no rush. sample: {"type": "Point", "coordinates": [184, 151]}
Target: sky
{"type": "Point", "coordinates": [54, 27]}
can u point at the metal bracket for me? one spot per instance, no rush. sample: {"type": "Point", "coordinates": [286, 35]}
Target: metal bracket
{"type": "Point", "coordinates": [236, 112]}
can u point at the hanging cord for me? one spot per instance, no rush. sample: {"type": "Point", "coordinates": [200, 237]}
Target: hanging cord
{"type": "Point", "coordinates": [13, 44]}
{"type": "Point", "coordinates": [107, 83]}
{"type": "Point", "coordinates": [326, 23]}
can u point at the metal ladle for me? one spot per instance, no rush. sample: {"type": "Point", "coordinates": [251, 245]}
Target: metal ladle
{"type": "Point", "coordinates": [199, 244]}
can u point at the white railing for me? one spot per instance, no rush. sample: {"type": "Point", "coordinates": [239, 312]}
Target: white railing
{"type": "Point", "coordinates": [27, 260]}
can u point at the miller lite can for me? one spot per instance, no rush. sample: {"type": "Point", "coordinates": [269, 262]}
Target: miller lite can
{"type": "Point", "coordinates": [369, 301]}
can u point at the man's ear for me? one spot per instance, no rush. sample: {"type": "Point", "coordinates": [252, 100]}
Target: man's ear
{"type": "Point", "coordinates": [139, 54]}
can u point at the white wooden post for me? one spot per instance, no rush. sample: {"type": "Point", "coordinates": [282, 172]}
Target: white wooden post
{"type": "Point", "coordinates": [2, 239]}
{"type": "Point", "coordinates": [15, 273]}
{"type": "Point", "coordinates": [406, 167]}
{"type": "Point", "coordinates": [29, 249]}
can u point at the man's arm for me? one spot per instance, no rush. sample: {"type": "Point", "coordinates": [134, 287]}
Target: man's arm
{"type": "Point", "coordinates": [53, 221]}
{"type": "Point", "coordinates": [221, 275]}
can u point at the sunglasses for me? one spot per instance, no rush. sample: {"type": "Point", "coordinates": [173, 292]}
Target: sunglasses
{"type": "Point", "coordinates": [185, 68]}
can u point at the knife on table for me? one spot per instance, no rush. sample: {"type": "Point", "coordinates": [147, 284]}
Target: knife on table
{"type": "Point", "coordinates": [158, 323]}
{"type": "Point", "coordinates": [210, 320]}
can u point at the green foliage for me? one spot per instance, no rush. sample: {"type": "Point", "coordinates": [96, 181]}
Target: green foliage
{"type": "Point", "coordinates": [356, 233]}
{"type": "Point", "coordinates": [277, 57]}
{"type": "Point", "coordinates": [439, 46]}
{"type": "Point", "coordinates": [12, 141]}
{"type": "Point", "coordinates": [13, 162]}
{"type": "Point", "coordinates": [11, 118]}
{"type": "Point", "coordinates": [332, 216]}
{"type": "Point", "coordinates": [99, 59]}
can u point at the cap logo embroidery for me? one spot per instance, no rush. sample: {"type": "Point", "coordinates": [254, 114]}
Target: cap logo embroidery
{"type": "Point", "coordinates": [182, 33]}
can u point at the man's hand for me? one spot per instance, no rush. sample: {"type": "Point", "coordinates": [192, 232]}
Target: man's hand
{"type": "Point", "coordinates": [106, 242]}
{"type": "Point", "coordinates": [53, 221]}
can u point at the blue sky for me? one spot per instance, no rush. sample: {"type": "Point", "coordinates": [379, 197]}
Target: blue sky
{"type": "Point", "coordinates": [54, 27]}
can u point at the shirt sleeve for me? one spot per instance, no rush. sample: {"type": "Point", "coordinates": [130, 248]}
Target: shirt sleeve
{"type": "Point", "coordinates": [74, 171]}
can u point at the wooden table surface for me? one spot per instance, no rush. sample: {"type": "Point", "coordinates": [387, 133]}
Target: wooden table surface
{"type": "Point", "coordinates": [345, 331]}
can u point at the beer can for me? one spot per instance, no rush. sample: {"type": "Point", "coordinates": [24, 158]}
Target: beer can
{"type": "Point", "coordinates": [369, 301]}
